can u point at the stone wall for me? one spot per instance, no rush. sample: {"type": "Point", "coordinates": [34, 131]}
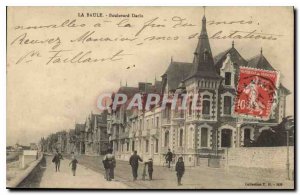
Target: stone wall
{"type": "Point", "coordinates": [260, 157]}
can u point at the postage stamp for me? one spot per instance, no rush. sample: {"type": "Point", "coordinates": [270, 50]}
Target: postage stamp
{"type": "Point", "coordinates": [256, 93]}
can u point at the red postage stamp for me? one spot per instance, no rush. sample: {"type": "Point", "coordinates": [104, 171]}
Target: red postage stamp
{"type": "Point", "coordinates": [256, 93]}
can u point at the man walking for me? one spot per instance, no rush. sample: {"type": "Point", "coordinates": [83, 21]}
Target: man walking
{"type": "Point", "coordinates": [169, 157]}
{"type": "Point", "coordinates": [74, 163]}
{"type": "Point", "coordinates": [109, 163]}
{"type": "Point", "coordinates": [179, 170]}
{"type": "Point", "coordinates": [56, 159]}
{"type": "Point", "coordinates": [134, 162]}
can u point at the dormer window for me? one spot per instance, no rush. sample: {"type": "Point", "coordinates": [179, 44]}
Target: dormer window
{"type": "Point", "coordinates": [227, 71]}
{"type": "Point", "coordinates": [228, 78]}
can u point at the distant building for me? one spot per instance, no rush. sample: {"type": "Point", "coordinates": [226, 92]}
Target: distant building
{"type": "Point", "coordinates": [96, 137]}
{"type": "Point", "coordinates": [80, 135]}
{"type": "Point", "coordinates": [33, 146]}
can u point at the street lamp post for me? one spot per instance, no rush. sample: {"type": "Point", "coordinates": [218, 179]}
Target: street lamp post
{"type": "Point", "coordinates": [288, 155]}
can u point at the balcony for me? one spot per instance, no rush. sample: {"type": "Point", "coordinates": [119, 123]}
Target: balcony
{"type": "Point", "coordinates": [166, 121]}
{"type": "Point", "coordinates": [145, 133]}
{"type": "Point", "coordinates": [178, 115]}
{"type": "Point", "coordinates": [116, 121]}
{"type": "Point", "coordinates": [207, 152]}
{"type": "Point", "coordinates": [114, 136]}
{"type": "Point", "coordinates": [206, 116]}
{"type": "Point", "coordinates": [130, 134]}
{"type": "Point", "coordinates": [124, 135]}
{"type": "Point", "coordinates": [247, 120]}
{"type": "Point", "coordinates": [179, 150]}
{"type": "Point", "coordinates": [154, 131]}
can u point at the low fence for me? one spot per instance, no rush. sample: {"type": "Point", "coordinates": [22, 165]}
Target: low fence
{"type": "Point", "coordinates": [14, 183]}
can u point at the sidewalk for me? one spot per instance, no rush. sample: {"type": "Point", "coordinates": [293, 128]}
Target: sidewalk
{"type": "Point", "coordinates": [194, 177]}
{"type": "Point", "coordinates": [85, 178]}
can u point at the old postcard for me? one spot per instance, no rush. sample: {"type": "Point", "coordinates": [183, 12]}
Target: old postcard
{"type": "Point", "coordinates": [150, 97]}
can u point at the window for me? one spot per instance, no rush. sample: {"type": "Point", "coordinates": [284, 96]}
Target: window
{"type": "Point", "coordinates": [227, 78]}
{"type": "Point", "coordinates": [157, 121]}
{"type": "Point", "coordinates": [180, 137]}
{"type": "Point", "coordinates": [152, 123]}
{"type": "Point", "coordinates": [127, 148]}
{"type": "Point", "coordinates": [156, 145]}
{"type": "Point", "coordinates": [166, 138]}
{"type": "Point", "coordinates": [140, 124]}
{"type": "Point", "coordinates": [190, 108]}
{"type": "Point", "coordinates": [206, 107]}
{"type": "Point", "coordinates": [226, 138]}
{"type": "Point", "coordinates": [247, 133]}
{"type": "Point", "coordinates": [204, 133]}
{"type": "Point", "coordinates": [147, 145]}
{"type": "Point", "coordinates": [117, 146]}
{"type": "Point", "coordinates": [227, 105]}
{"type": "Point", "coordinates": [132, 145]}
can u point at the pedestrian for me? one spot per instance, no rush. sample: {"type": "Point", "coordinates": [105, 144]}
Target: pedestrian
{"type": "Point", "coordinates": [109, 163]}
{"type": "Point", "coordinates": [180, 170]}
{"type": "Point", "coordinates": [169, 157]}
{"type": "Point", "coordinates": [149, 164]}
{"type": "Point", "coordinates": [134, 162]}
{"type": "Point", "coordinates": [56, 159]}
{"type": "Point", "coordinates": [73, 163]}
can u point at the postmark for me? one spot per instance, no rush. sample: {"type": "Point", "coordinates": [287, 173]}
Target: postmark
{"type": "Point", "coordinates": [256, 93]}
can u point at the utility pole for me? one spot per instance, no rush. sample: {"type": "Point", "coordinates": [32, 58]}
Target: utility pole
{"type": "Point", "coordinates": [287, 154]}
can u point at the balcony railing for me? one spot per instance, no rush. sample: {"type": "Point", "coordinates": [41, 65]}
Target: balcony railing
{"type": "Point", "coordinates": [179, 150]}
{"type": "Point", "coordinates": [154, 131]}
{"type": "Point", "coordinates": [145, 133]}
{"type": "Point", "coordinates": [166, 121]}
{"type": "Point", "coordinates": [124, 135]}
{"type": "Point", "coordinates": [114, 136]}
{"type": "Point", "coordinates": [248, 120]}
{"type": "Point", "coordinates": [178, 115]}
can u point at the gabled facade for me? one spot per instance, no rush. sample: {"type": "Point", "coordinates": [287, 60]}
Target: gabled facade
{"type": "Point", "coordinates": [96, 137]}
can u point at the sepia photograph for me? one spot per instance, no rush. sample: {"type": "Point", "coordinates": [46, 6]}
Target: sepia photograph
{"type": "Point", "coordinates": [156, 98]}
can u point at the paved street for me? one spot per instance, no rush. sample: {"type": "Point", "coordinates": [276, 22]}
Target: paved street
{"type": "Point", "coordinates": [90, 175]}
{"type": "Point", "coordinates": [200, 177]}
{"type": "Point", "coordinates": [85, 177]}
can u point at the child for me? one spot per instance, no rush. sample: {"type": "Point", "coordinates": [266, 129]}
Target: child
{"type": "Point", "coordinates": [74, 164]}
{"type": "Point", "coordinates": [179, 170]}
{"type": "Point", "coordinates": [150, 168]}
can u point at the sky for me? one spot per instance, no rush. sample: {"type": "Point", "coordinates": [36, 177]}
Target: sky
{"type": "Point", "coordinates": [45, 98]}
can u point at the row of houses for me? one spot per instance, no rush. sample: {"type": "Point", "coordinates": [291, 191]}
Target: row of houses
{"type": "Point", "coordinates": [88, 138]}
{"type": "Point", "coordinates": [196, 135]}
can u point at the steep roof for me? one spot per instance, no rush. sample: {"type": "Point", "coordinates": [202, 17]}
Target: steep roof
{"type": "Point", "coordinates": [260, 62]}
{"type": "Point", "coordinates": [158, 86]}
{"type": "Point", "coordinates": [129, 91]}
{"type": "Point", "coordinates": [176, 72]}
{"type": "Point", "coordinates": [72, 132]}
{"type": "Point", "coordinates": [203, 58]}
{"type": "Point", "coordinates": [235, 57]}
{"type": "Point", "coordinates": [79, 127]}
{"type": "Point", "coordinates": [101, 119]}
{"type": "Point", "coordinates": [285, 90]}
